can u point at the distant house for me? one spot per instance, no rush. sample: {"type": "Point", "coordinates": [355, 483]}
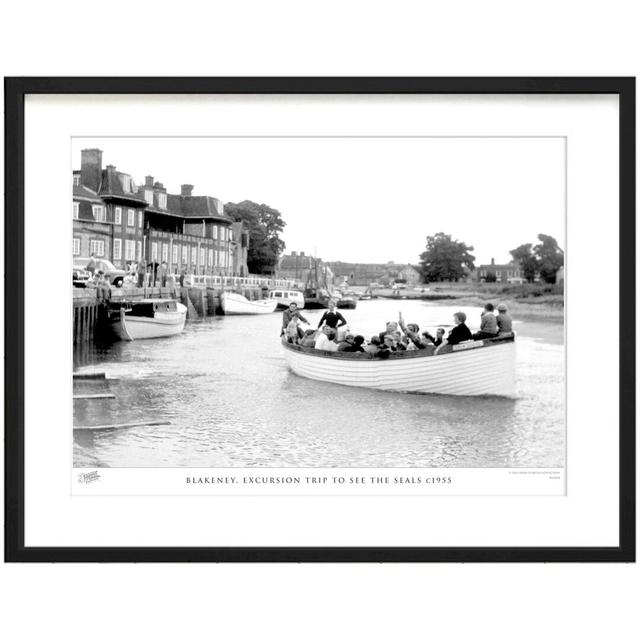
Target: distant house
{"type": "Point", "coordinates": [410, 274]}
{"type": "Point", "coordinates": [363, 274]}
{"type": "Point", "coordinates": [505, 273]}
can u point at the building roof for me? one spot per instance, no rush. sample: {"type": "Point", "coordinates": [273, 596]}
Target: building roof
{"type": "Point", "coordinates": [111, 187]}
{"type": "Point", "coordinates": [196, 207]}
{"type": "Point", "coordinates": [489, 267]}
{"type": "Point", "coordinates": [80, 192]}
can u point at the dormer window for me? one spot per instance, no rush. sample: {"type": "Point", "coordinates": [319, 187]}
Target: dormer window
{"type": "Point", "coordinates": [126, 183]}
{"type": "Point", "coordinates": [148, 196]}
{"type": "Point", "coordinates": [162, 200]}
{"type": "Point", "coordinates": [76, 180]}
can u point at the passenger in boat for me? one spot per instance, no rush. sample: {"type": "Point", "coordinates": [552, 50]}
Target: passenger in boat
{"type": "Point", "coordinates": [504, 320]}
{"type": "Point", "coordinates": [331, 317]}
{"type": "Point", "coordinates": [289, 314]}
{"type": "Point", "coordinates": [309, 339]}
{"type": "Point", "coordinates": [291, 332]}
{"type": "Point", "coordinates": [374, 345]}
{"type": "Point", "coordinates": [488, 324]}
{"type": "Point", "coordinates": [437, 341]}
{"type": "Point", "coordinates": [459, 333]}
{"type": "Point", "coordinates": [326, 340]}
{"type": "Point", "coordinates": [356, 347]}
{"type": "Point", "coordinates": [412, 332]}
{"type": "Point", "coordinates": [347, 341]}
{"type": "Point", "coordinates": [400, 345]}
{"type": "Point", "coordinates": [389, 342]}
{"type": "Point", "coordinates": [391, 327]}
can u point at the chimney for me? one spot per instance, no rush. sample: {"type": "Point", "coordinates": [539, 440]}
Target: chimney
{"type": "Point", "coordinates": [91, 168]}
{"type": "Point", "coordinates": [302, 254]}
{"type": "Point", "coordinates": [158, 185]}
{"type": "Point", "coordinates": [186, 189]}
{"type": "Point", "coordinates": [294, 254]}
{"type": "Point", "coordinates": [148, 181]}
{"type": "Point", "coordinates": [493, 261]}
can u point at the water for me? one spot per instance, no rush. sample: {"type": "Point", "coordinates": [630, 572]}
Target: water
{"type": "Point", "coordinates": [232, 402]}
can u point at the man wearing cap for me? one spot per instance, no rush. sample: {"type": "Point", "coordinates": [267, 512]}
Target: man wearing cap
{"type": "Point", "coordinates": [504, 320]}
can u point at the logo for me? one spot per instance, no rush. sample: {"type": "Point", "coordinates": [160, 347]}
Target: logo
{"type": "Point", "coordinates": [88, 477]}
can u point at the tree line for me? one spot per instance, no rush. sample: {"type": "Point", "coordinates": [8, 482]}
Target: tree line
{"type": "Point", "coordinates": [446, 259]}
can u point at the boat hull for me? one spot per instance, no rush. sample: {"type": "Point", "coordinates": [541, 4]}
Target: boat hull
{"type": "Point", "coordinates": [162, 325]}
{"type": "Point", "coordinates": [234, 304]}
{"type": "Point", "coordinates": [476, 371]}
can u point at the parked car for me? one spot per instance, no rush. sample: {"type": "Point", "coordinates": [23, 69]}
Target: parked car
{"type": "Point", "coordinates": [111, 273]}
{"type": "Point", "coordinates": [80, 277]}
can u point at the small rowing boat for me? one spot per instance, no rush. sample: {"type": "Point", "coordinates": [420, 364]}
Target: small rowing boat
{"type": "Point", "coordinates": [473, 368]}
{"type": "Point", "coordinates": [150, 318]}
{"type": "Point", "coordinates": [233, 304]}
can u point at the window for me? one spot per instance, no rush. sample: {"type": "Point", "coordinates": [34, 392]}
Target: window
{"type": "Point", "coordinates": [126, 182]}
{"type": "Point", "coordinates": [99, 213]}
{"type": "Point", "coordinates": [76, 210]}
{"type": "Point", "coordinates": [215, 232]}
{"type": "Point", "coordinates": [139, 250]}
{"type": "Point", "coordinates": [174, 254]}
{"type": "Point", "coordinates": [129, 250]}
{"type": "Point", "coordinates": [162, 200]}
{"type": "Point", "coordinates": [185, 256]}
{"type": "Point", "coordinates": [96, 248]}
{"type": "Point", "coordinates": [217, 258]}
{"type": "Point", "coordinates": [76, 180]}
{"type": "Point", "coordinates": [76, 246]}
{"type": "Point", "coordinates": [148, 196]}
{"type": "Point", "coordinates": [117, 249]}
{"type": "Point", "coordinates": [165, 252]}
{"type": "Point", "coordinates": [210, 262]}
{"type": "Point", "coordinates": [140, 219]}
{"type": "Point", "coordinates": [202, 256]}
{"type": "Point", "coordinates": [117, 216]}
{"type": "Point", "coordinates": [278, 294]}
{"type": "Point", "coordinates": [131, 218]}
{"type": "Point", "coordinates": [193, 255]}
{"type": "Point", "coordinates": [154, 251]}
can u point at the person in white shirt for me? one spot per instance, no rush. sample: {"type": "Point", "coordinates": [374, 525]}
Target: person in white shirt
{"type": "Point", "coordinates": [325, 340]}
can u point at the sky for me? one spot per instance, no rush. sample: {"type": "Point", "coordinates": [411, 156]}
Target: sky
{"type": "Point", "coordinates": [368, 199]}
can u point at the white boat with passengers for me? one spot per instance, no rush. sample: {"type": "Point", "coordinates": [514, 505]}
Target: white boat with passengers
{"type": "Point", "coordinates": [149, 318]}
{"type": "Point", "coordinates": [284, 297]}
{"type": "Point", "coordinates": [234, 304]}
{"type": "Point", "coordinates": [472, 368]}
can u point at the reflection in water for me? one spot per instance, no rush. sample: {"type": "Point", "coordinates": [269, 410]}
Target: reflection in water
{"type": "Point", "coordinates": [231, 401]}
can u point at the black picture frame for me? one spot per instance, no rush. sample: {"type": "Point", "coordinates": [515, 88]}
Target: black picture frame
{"type": "Point", "coordinates": [15, 91]}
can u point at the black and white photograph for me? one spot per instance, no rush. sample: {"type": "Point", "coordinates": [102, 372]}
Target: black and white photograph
{"type": "Point", "coordinates": [301, 302]}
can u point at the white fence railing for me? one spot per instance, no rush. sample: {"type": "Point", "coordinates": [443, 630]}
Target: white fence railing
{"type": "Point", "coordinates": [215, 282]}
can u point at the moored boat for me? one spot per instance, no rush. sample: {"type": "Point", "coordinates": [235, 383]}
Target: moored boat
{"type": "Point", "coordinates": [149, 318]}
{"type": "Point", "coordinates": [234, 304]}
{"type": "Point", "coordinates": [474, 368]}
{"type": "Point", "coordinates": [284, 297]}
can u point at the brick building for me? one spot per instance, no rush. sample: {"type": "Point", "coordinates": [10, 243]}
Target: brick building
{"type": "Point", "coordinates": [510, 272]}
{"type": "Point", "coordinates": [122, 222]}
